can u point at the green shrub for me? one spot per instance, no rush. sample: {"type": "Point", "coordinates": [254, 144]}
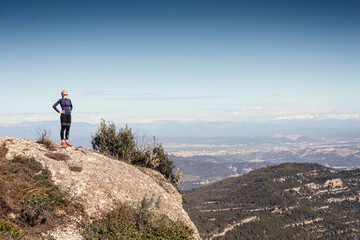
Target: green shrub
{"type": "Point", "coordinates": [127, 222]}
{"type": "Point", "coordinates": [117, 144]}
{"type": "Point", "coordinates": [9, 229]}
{"type": "Point", "coordinates": [165, 166]}
{"type": "Point", "coordinates": [122, 145]}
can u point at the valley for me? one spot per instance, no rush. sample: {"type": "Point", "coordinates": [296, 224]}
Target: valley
{"type": "Point", "coordinates": [203, 164]}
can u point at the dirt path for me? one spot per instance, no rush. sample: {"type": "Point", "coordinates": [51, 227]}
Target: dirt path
{"type": "Point", "coordinates": [231, 227]}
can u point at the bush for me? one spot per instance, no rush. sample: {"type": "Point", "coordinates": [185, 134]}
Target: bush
{"type": "Point", "coordinates": [44, 138]}
{"type": "Point", "coordinates": [117, 144]}
{"type": "Point", "coordinates": [122, 145]}
{"type": "Point", "coordinates": [139, 222]}
{"type": "Point", "coordinates": [154, 157]}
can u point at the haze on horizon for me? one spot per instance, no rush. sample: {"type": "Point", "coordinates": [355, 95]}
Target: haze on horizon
{"type": "Point", "coordinates": [142, 61]}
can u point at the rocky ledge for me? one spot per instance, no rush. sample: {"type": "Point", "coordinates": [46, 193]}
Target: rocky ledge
{"type": "Point", "coordinates": [100, 182]}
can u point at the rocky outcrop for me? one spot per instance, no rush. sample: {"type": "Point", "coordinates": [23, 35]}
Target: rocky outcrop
{"type": "Point", "coordinates": [98, 182]}
{"type": "Point", "coordinates": [334, 183]}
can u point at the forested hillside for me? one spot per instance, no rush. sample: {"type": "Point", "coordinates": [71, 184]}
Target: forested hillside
{"type": "Point", "coordinates": [288, 201]}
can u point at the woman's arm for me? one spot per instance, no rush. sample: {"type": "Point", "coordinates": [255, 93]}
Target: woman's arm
{"type": "Point", "coordinates": [55, 106]}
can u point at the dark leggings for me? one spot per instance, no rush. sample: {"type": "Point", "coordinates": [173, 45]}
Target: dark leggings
{"type": "Point", "coordinates": [65, 126]}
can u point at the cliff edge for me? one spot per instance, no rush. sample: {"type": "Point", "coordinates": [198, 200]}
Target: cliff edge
{"type": "Point", "coordinates": [99, 183]}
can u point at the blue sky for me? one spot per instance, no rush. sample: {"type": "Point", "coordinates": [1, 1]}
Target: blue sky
{"type": "Point", "coordinates": [142, 61]}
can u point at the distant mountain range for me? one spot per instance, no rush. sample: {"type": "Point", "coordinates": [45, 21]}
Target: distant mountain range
{"type": "Point", "coordinates": [287, 201]}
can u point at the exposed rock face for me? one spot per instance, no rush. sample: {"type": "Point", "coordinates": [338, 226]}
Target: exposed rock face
{"type": "Point", "coordinates": [99, 182]}
{"type": "Point", "coordinates": [334, 183]}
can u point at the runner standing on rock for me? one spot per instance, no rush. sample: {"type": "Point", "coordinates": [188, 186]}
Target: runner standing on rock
{"type": "Point", "coordinates": [65, 117]}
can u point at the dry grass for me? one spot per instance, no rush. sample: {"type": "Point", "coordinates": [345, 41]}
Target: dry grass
{"type": "Point", "coordinates": [49, 144]}
{"type": "Point", "coordinates": [3, 151]}
{"type": "Point", "coordinates": [28, 199]}
{"type": "Point", "coordinates": [75, 168]}
{"type": "Point", "coordinates": [44, 138]}
{"type": "Point", "coordinates": [58, 156]}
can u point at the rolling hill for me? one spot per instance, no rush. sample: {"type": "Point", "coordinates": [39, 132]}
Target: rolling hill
{"type": "Point", "coordinates": [287, 201]}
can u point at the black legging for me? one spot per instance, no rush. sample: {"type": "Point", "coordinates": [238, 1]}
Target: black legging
{"type": "Point", "coordinates": [65, 126]}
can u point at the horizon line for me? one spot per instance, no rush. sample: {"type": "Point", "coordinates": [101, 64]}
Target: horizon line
{"type": "Point", "coordinates": [275, 120]}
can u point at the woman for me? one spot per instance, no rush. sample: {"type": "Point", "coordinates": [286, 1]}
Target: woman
{"type": "Point", "coordinates": [65, 117]}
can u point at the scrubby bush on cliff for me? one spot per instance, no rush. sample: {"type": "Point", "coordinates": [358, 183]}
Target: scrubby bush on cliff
{"type": "Point", "coordinates": [154, 157]}
{"type": "Point", "coordinates": [122, 145]}
{"type": "Point", "coordinates": [44, 138]}
{"type": "Point", "coordinates": [119, 144]}
{"type": "Point", "coordinates": [136, 222]}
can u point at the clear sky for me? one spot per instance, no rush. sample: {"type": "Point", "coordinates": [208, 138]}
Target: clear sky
{"type": "Point", "coordinates": [140, 61]}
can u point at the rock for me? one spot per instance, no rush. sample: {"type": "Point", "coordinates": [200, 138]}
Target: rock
{"type": "Point", "coordinates": [102, 181]}
{"type": "Point", "coordinates": [333, 183]}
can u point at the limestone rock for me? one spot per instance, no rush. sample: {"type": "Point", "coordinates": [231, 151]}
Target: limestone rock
{"type": "Point", "coordinates": [334, 183]}
{"type": "Point", "coordinates": [98, 182]}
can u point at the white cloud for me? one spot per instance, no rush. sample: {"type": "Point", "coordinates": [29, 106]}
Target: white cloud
{"type": "Point", "coordinates": [296, 117]}
{"type": "Point", "coordinates": [234, 113]}
{"type": "Point", "coordinates": [320, 117]}
{"type": "Point", "coordinates": [343, 116]}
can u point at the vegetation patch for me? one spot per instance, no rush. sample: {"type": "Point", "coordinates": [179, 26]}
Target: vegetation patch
{"type": "Point", "coordinates": [28, 199]}
{"type": "Point", "coordinates": [75, 168]}
{"type": "Point", "coordinates": [124, 145]}
{"type": "Point", "coordinates": [136, 222]}
{"type": "Point", "coordinates": [25, 164]}
{"type": "Point", "coordinates": [3, 151]}
{"type": "Point", "coordinates": [44, 139]}
{"type": "Point", "coordinates": [42, 197]}
{"type": "Point", "coordinates": [9, 230]}
{"type": "Point", "coordinates": [58, 156]}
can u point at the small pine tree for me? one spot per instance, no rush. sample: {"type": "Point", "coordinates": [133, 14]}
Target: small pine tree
{"type": "Point", "coordinates": [178, 178]}
{"type": "Point", "coordinates": [165, 164]}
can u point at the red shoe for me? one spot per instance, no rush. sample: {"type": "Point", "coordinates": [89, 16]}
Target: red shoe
{"type": "Point", "coordinates": [63, 144]}
{"type": "Point", "coordinates": [68, 144]}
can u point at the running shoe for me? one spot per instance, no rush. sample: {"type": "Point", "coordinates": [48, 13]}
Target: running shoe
{"type": "Point", "coordinates": [63, 144]}
{"type": "Point", "coordinates": [68, 144]}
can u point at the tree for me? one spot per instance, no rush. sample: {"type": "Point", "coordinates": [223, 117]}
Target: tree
{"type": "Point", "coordinates": [165, 164]}
{"type": "Point", "coordinates": [117, 144]}
{"type": "Point", "coordinates": [122, 145]}
{"type": "Point", "coordinates": [154, 157]}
